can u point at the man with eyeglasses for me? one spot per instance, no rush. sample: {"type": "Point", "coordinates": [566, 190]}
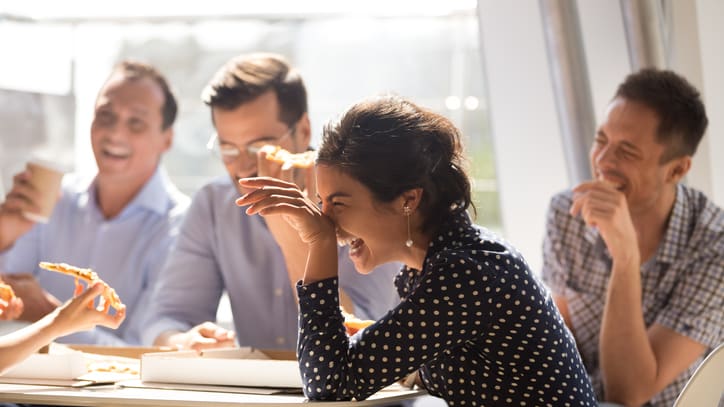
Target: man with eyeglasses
{"type": "Point", "coordinates": [121, 222]}
{"type": "Point", "coordinates": [255, 100]}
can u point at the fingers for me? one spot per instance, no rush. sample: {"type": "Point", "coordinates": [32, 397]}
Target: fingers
{"type": "Point", "coordinates": [207, 343]}
{"type": "Point", "coordinates": [258, 182]}
{"type": "Point", "coordinates": [90, 294]}
{"type": "Point", "coordinates": [10, 310]}
{"type": "Point", "coordinates": [213, 331]}
{"type": "Point", "coordinates": [598, 195]}
{"type": "Point", "coordinates": [78, 290]}
{"type": "Point", "coordinates": [209, 335]}
{"type": "Point", "coordinates": [271, 196]}
{"type": "Point", "coordinates": [310, 183]}
{"type": "Point", "coordinates": [23, 195]}
{"type": "Point", "coordinates": [115, 320]}
{"type": "Point", "coordinates": [276, 204]}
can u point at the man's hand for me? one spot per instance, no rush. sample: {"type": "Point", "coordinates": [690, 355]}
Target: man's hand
{"type": "Point", "coordinates": [604, 207]}
{"type": "Point", "coordinates": [21, 198]}
{"type": "Point", "coordinates": [36, 301]}
{"type": "Point", "coordinates": [204, 336]}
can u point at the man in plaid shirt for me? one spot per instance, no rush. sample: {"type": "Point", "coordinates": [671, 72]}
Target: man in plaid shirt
{"type": "Point", "coordinates": [634, 259]}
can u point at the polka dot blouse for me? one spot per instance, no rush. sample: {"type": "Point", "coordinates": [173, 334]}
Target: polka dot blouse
{"type": "Point", "coordinates": [480, 328]}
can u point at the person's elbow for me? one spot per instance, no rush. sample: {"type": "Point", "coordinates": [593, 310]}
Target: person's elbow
{"type": "Point", "coordinates": [324, 393]}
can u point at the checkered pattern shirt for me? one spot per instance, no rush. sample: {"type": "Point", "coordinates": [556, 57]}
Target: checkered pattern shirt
{"type": "Point", "coordinates": [682, 284]}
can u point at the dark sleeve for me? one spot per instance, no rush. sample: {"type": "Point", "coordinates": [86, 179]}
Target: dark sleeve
{"type": "Point", "coordinates": [442, 311]}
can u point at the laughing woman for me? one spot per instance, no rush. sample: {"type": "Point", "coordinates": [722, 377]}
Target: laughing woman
{"type": "Point", "coordinates": [474, 324]}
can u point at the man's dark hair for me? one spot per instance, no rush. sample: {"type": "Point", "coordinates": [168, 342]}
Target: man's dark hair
{"type": "Point", "coordinates": [138, 70]}
{"type": "Point", "coordinates": [246, 77]}
{"type": "Point", "coordinates": [678, 105]}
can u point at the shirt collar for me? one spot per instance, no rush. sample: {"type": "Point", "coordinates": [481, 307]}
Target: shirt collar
{"type": "Point", "coordinates": [154, 195]}
{"type": "Point", "coordinates": [676, 233]}
{"type": "Point", "coordinates": [451, 232]}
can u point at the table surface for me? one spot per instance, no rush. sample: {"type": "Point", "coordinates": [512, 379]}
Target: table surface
{"type": "Point", "coordinates": [114, 395]}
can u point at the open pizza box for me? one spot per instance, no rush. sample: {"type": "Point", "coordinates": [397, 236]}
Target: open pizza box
{"type": "Point", "coordinates": [78, 365]}
{"type": "Point", "coordinates": [242, 367]}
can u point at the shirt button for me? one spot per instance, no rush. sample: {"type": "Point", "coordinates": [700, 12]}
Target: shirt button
{"type": "Point", "coordinates": [280, 340]}
{"type": "Point", "coordinates": [278, 292]}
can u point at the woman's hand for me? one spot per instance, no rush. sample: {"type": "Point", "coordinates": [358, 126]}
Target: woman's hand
{"type": "Point", "coordinates": [78, 314]}
{"type": "Point", "coordinates": [276, 197]}
{"type": "Point", "coordinates": [10, 309]}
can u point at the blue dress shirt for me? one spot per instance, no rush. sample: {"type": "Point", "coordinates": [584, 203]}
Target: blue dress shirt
{"type": "Point", "coordinates": [127, 251]}
{"type": "Point", "coordinates": [221, 248]}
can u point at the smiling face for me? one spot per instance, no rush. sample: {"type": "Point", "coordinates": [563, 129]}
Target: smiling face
{"type": "Point", "coordinates": [375, 231]}
{"type": "Point", "coordinates": [626, 154]}
{"type": "Point", "coordinates": [252, 122]}
{"type": "Point", "coordinates": [127, 134]}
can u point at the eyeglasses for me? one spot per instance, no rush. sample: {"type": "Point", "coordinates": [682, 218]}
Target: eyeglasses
{"type": "Point", "coordinates": [230, 153]}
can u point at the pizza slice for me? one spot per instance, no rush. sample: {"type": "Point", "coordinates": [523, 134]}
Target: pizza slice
{"type": "Point", "coordinates": [288, 159]}
{"type": "Point", "coordinates": [109, 298]}
{"type": "Point", "coordinates": [6, 292]}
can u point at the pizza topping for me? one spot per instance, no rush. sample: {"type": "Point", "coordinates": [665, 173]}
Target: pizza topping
{"type": "Point", "coordinates": [290, 160]}
{"type": "Point", "coordinates": [6, 292]}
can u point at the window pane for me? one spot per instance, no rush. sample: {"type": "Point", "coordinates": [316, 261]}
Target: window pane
{"type": "Point", "coordinates": [433, 60]}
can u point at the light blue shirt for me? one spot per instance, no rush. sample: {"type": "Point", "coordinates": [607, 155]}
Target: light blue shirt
{"type": "Point", "coordinates": [221, 248]}
{"type": "Point", "coordinates": [127, 251]}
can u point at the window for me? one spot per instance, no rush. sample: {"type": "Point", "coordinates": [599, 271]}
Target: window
{"type": "Point", "coordinates": [430, 57]}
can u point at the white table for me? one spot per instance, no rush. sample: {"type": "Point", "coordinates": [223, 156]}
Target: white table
{"type": "Point", "coordinates": [115, 396]}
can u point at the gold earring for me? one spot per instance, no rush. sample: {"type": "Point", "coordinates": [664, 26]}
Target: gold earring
{"type": "Point", "coordinates": [406, 210]}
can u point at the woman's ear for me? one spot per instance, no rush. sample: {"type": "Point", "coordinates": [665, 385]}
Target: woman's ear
{"type": "Point", "coordinates": [411, 198]}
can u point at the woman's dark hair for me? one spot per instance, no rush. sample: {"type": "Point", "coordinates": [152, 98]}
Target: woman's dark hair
{"type": "Point", "coordinates": [391, 145]}
{"type": "Point", "coordinates": [682, 116]}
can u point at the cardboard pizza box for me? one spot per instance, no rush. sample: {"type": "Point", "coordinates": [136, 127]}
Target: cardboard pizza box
{"type": "Point", "coordinates": [79, 365]}
{"type": "Point", "coordinates": [245, 366]}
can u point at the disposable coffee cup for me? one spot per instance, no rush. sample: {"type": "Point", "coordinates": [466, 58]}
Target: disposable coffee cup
{"type": "Point", "coordinates": [46, 177]}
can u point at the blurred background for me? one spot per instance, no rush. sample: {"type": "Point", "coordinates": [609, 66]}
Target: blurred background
{"type": "Point", "coordinates": [526, 81]}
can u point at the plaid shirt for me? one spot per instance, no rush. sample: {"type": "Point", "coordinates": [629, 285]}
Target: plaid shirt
{"type": "Point", "coordinates": [682, 285]}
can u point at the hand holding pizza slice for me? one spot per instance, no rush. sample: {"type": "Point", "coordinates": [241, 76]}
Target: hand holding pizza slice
{"type": "Point", "coordinates": [288, 159]}
{"type": "Point", "coordinates": [109, 298]}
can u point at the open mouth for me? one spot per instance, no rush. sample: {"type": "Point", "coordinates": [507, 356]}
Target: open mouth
{"type": "Point", "coordinates": [116, 152]}
{"type": "Point", "coordinates": [355, 244]}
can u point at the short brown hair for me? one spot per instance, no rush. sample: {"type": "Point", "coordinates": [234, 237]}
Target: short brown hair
{"type": "Point", "coordinates": [136, 70]}
{"type": "Point", "coordinates": [678, 105]}
{"type": "Point", "coordinates": [246, 77]}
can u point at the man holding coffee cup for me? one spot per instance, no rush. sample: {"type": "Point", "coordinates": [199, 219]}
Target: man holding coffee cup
{"type": "Point", "coordinates": [121, 223]}
{"type": "Point", "coordinates": [45, 176]}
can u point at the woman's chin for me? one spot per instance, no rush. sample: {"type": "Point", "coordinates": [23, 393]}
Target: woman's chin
{"type": "Point", "coordinates": [362, 261]}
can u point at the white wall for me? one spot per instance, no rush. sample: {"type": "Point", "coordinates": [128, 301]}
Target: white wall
{"type": "Point", "coordinates": [525, 129]}
{"type": "Point", "coordinates": [710, 15]}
